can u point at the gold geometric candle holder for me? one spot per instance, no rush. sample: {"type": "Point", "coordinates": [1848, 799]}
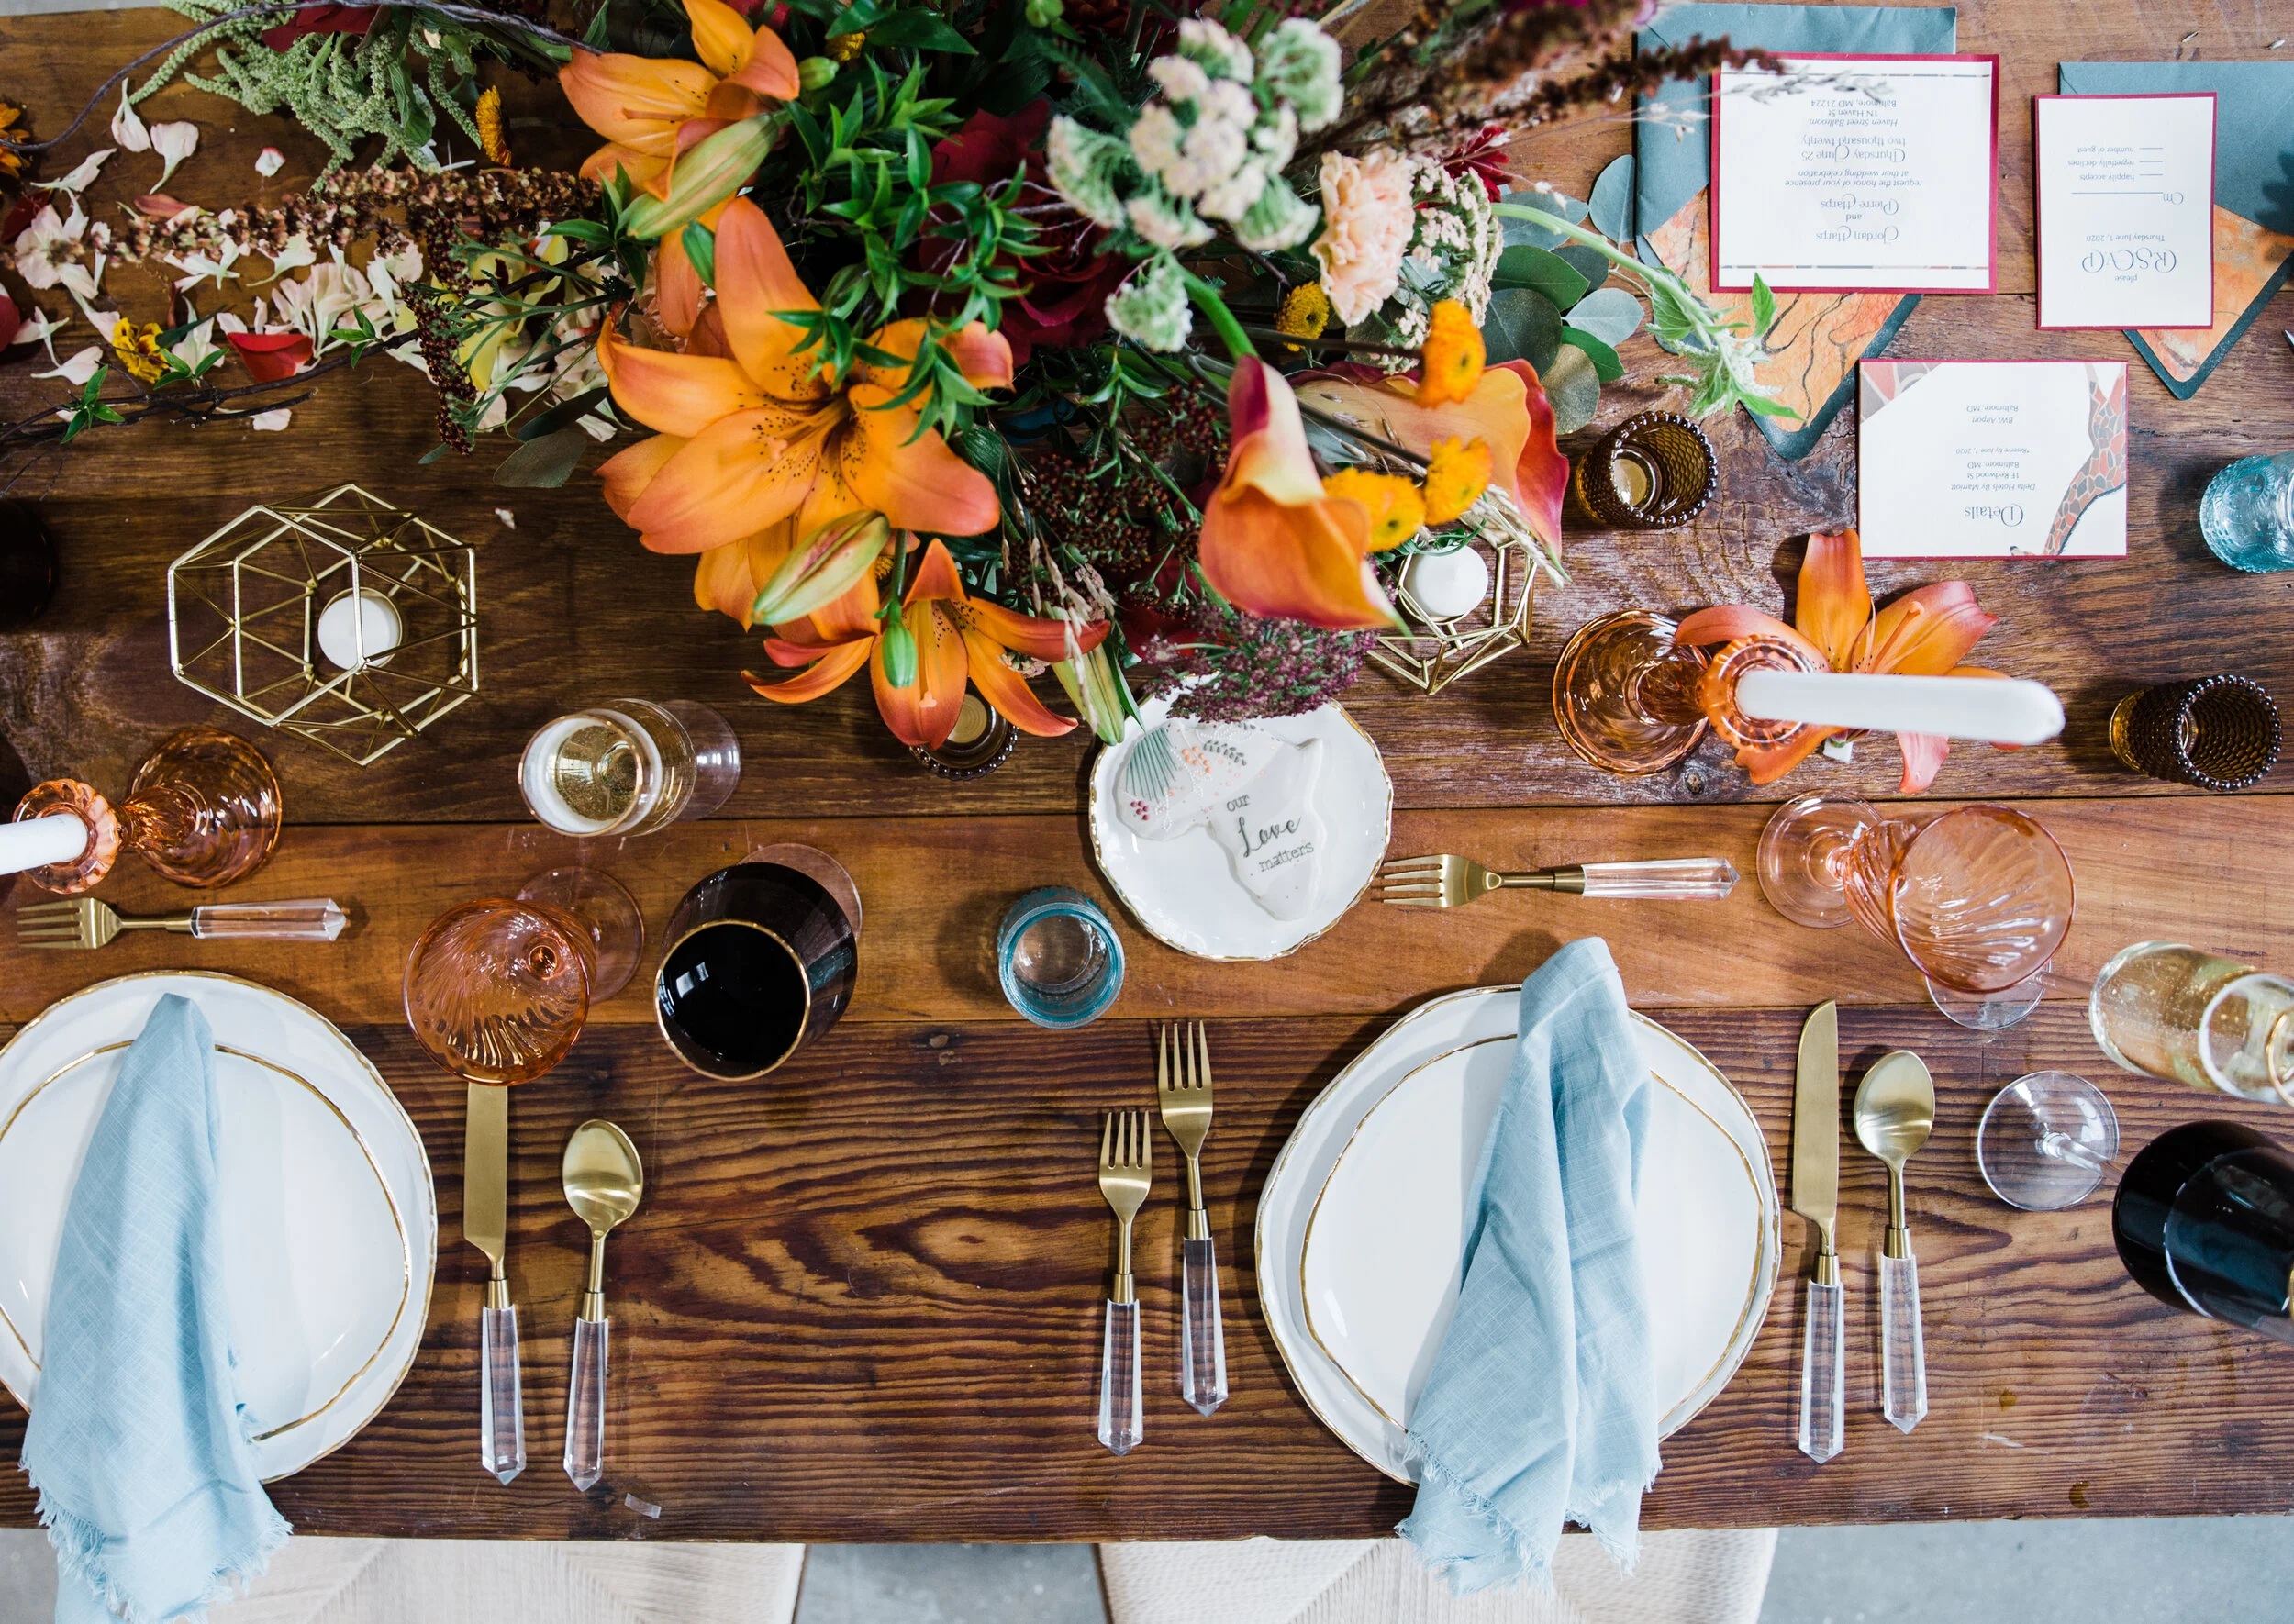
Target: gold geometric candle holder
{"type": "Point", "coordinates": [343, 621]}
{"type": "Point", "coordinates": [1432, 651]}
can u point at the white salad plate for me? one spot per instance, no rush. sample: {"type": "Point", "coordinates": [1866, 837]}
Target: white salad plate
{"type": "Point", "coordinates": [330, 1221]}
{"type": "Point", "coordinates": [1183, 891]}
{"type": "Point", "coordinates": [1362, 1220]}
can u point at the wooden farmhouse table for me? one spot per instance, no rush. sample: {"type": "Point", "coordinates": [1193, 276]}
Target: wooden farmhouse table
{"type": "Point", "coordinates": [862, 1299]}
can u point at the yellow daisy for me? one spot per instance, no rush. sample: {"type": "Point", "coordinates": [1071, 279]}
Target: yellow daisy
{"type": "Point", "coordinates": [1451, 360]}
{"type": "Point", "coordinates": [1456, 473]}
{"type": "Point", "coordinates": [1397, 509]}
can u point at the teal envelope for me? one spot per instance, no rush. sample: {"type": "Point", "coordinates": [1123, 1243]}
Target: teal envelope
{"type": "Point", "coordinates": [2254, 174]}
{"type": "Point", "coordinates": [1670, 170]}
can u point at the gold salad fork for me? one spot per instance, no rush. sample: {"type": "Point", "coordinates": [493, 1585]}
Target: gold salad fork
{"type": "Point", "coordinates": [1182, 1089]}
{"type": "Point", "coordinates": [1452, 881]}
{"type": "Point", "coordinates": [83, 922]}
{"type": "Point", "coordinates": [1125, 1161]}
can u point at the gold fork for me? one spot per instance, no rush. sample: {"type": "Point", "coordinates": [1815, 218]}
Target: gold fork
{"type": "Point", "coordinates": [83, 922]}
{"type": "Point", "coordinates": [1448, 881]}
{"type": "Point", "coordinates": [1125, 1161]}
{"type": "Point", "coordinates": [1182, 1089]}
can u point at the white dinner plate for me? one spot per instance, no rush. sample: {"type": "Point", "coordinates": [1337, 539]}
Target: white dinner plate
{"type": "Point", "coordinates": [1183, 891]}
{"type": "Point", "coordinates": [329, 1222]}
{"type": "Point", "coordinates": [1362, 1220]}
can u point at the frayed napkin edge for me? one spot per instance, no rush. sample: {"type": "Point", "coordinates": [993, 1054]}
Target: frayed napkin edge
{"type": "Point", "coordinates": [1528, 1562]}
{"type": "Point", "coordinates": [79, 1560]}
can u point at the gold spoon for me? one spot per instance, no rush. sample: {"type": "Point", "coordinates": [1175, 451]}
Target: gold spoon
{"type": "Point", "coordinates": [1895, 1112]}
{"type": "Point", "coordinates": [604, 1181]}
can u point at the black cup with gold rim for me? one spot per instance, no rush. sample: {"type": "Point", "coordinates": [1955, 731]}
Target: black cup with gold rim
{"type": "Point", "coordinates": [761, 962]}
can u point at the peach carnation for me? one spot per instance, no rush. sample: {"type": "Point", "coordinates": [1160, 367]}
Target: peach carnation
{"type": "Point", "coordinates": [1368, 221]}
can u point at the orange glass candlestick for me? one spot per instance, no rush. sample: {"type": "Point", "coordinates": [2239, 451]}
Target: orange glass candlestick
{"type": "Point", "coordinates": [1625, 693]}
{"type": "Point", "coordinates": [203, 809]}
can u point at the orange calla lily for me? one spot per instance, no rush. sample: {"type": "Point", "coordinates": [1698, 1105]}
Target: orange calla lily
{"type": "Point", "coordinates": [1274, 543]}
{"type": "Point", "coordinates": [1926, 632]}
{"type": "Point", "coordinates": [754, 450]}
{"type": "Point", "coordinates": [651, 109]}
{"type": "Point", "coordinates": [959, 639]}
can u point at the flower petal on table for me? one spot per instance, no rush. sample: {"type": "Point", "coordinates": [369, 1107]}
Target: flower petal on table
{"type": "Point", "coordinates": [675, 394]}
{"type": "Point", "coordinates": [1008, 692]}
{"type": "Point", "coordinates": [924, 713]}
{"type": "Point", "coordinates": [741, 474]}
{"type": "Point", "coordinates": [829, 672]}
{"type": "Point", "coordinates": [1926, 632]}
{"type": "Point", "coordinates": [1923, 757]}
{"type": "Point", "coordinates": [915, 481]}
{"type": "Point", "coordinates": [628, 472]}
{"type": "Point", "coordinates": [1836, 605]}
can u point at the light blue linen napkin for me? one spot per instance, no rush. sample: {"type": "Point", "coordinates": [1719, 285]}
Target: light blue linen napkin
{"type": "Point", "coordinates": [139, 1443]}
{"type": "Point", "coordinates": [1541, 1404]}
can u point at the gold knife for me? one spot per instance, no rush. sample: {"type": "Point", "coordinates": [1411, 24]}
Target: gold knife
{"type": "Point", "coordinates": [1815, 1198]}
{"type": "Point", "coordinates": [485, 1225]}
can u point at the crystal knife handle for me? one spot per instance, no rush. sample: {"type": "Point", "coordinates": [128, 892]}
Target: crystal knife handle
{"type": "Point", "coordinates": [1119, 1427]}
{"type": "Point", "coordinates": [1823, 1374]}
{"type": "Point", "coordinates": [309, 918]}
{"type": "Point", "coordinates": [1903, 1359]}
{"type": "Point", "coordinates": [1203, 1382]}
{"type": "Point", "coordinates": [585, 1405]}
{"type": "Point", "coordinates": [501, 1407]}
{"type": "Point", "coordinates": [1672, 879]}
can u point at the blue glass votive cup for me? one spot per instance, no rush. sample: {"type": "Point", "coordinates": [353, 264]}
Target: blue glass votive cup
{"type": "Point", "coordinates": [1059, 958]}
{"type": "Point", "coordinates": [2247, 513]}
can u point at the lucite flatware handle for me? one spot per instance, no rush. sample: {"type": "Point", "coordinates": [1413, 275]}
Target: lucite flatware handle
{"type": "Point", "coordinates": [1823, 1375]}
{"type": "Point", "coordinates": [1903, 1359]}
{"type": "Point", "coordinates": [1203, 1382]}
{"type": "Point", "coordinates": [1119, 1379]}
{"type": "Point", "coordinates": [585, 1405]}
{"type": "Point", "coordinates": [501, 1406]}
{"type": "Point", "coordinates": [1676, 879]}
{"type": "Point", "coordinates": [309, 918]}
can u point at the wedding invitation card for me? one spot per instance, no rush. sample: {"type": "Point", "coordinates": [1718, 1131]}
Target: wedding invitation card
{"type": "Point", "coordinates": [1857, 173]}
{"type": "Point", "coordinates": [1992, 459]}
{"type": "Point", "coordinates": [2126, 210]}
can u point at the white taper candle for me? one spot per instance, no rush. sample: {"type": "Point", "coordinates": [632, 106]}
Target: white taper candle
{"type": "Point", "coordinates": [1994, 710]}
{"type": "Point", "coordinates": [36, 842]}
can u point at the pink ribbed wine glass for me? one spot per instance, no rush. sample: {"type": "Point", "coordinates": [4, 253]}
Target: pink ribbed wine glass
{"type": "Point", "coordinates": [1978, 898]}
{"type": "Point", "coordinates": [496, 991]}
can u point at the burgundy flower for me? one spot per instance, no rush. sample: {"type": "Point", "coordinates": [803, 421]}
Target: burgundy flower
{"type": "Point", "coordinates": [321, 18]}
{"type": "Point", "coordinates": [1483, 156]}
{"type": "Point", "coordinates": [1068, 285]}
{"type": "Point", "coordinates": [268, 357]}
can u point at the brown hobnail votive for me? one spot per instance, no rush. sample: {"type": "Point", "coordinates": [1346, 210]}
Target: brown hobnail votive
{"type": "Point", "coordinates": [981, 741]}
{"type": "Point", "coordinates": [2217, 732]}
{"type": "Point", "coordinates": [1652, 471]}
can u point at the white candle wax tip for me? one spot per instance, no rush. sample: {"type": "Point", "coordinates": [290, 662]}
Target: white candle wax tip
{"type": "Point", "coordinates": [360, 628]}
{"type": "Point", "coordinates": [38, 842]}
{"type": "Point", "coordinates": [1994, 710]}
{"type": "Point", "coordinates": [1447, 583]}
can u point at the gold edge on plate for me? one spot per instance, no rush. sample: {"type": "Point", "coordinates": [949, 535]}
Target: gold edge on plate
{"type": "Point", "coordinates": [1099, 856]}
{"type": "Point", "coordinates": [384, 1091]}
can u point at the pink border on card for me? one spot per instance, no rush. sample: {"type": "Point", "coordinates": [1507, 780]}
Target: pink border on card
{"type": "Point", "coordinates": [1713, 164]}
{"type": "Point", "coordinates": [2039, 279]}
{"type": "Point", "coordinates": [1995, 558]}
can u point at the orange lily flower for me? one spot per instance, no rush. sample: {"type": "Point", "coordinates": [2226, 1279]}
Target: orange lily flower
{"type": "Point", "coordinates": [1926, 632]}
{"type": "Point", "coordinates": [651, 109]}
{"type": "Point", "coordinates": [1506, 408]}
{"type": "Point", "coordinates": [958, 639]}
{"type": "Point", "coordinates": [1274, 541]}
{"type": "Point", "coordinates": [754, 450]}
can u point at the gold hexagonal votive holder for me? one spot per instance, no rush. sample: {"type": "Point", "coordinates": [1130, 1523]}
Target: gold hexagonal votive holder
{"type": "Point", "coordinates": [342, 620]}
{"type": "Point", "coordinates": [1433, 650]}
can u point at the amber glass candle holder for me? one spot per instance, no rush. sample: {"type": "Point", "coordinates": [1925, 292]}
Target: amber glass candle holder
{"type": "Point", "coordinates": [1652, 471]}
{"type": "Point", "coordinates": [2212, 732]}
{"type": "Point", "coordinates": [981, 741]}
{"type": "Point", "coordinates": [1625, 693]}
{"type": "Point", "coordinates": [202, 810]}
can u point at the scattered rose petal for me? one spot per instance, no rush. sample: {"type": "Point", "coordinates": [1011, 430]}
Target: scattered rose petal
{"type": "Point", "coordinates": [173, 142]}
{"type": "Point", "coordinates": [510, 520]}
{"type": "Point", "coordinates": [270, 422]}
{"type": "Point", "coordinates": [80, 367]}
{"type": "Point", "coordinates": [294, 256]}
{"type": "Point", "coordinates": [161, 207]}
{"type": "Point", "coordinates": [270, 161]}
{"type": "Point", "coordinates": [36, 327]}
{"type": "Point", "coordinates": [20, 217]}
{"type": "Point", "coordinates": [81, 178]}
{"type": "Point", "coordinates": [268, 357]}
{"type": "Point", "coordinates": [128, 127]}
{"type": "Point", "coordinates": [194, 346]}
{"type": "Point", "coordinates": [10, 320]}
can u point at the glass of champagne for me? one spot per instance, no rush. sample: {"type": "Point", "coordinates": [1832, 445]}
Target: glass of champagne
{"type": "Point", "coordinates": [629, 767]}
{"type": "Point", "coordinates": [2182, 1013]}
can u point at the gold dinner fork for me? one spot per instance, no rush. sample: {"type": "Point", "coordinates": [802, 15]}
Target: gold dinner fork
{"type": "Point", "coordinates": [1125, 1161]}
{"type": "Point", "coordinates": [1452, 881]}
{"type": "Point", "coordinates": [1182, 1089]}
{"type": "Point", "coordinates": [83, 922]}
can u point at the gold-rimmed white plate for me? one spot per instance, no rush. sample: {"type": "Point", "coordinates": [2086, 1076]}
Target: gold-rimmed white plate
{"type": "Point", "coordinates": [329, 1222]}
{"type": "Point", "coordinates": [1362, 1220]}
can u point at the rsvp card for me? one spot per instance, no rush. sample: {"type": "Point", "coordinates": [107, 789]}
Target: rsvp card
{"type": "Point", "coordinates": [1857, 173]}
{"type": "Point", "coordinates": [1992, 459]}
{"type": "Point", "coordinates": [2126, 210]}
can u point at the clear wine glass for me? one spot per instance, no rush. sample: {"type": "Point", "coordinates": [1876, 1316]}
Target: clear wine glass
{"type": "Point", "coordinates": [496, 990]}
{"type": "Point", "coordinates": [1978, 898]}
{"type": "Point", "coordinates": [605, 909]}
{"type": "Point", "coordinates": [2046, 1141]}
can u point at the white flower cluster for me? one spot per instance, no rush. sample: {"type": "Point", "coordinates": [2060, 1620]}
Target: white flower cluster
{"type": "Point", "coordinates": [1212, 146]}
{"type": "Point", "coordinates": [1452, 254]}
{"type": "Point", "coordinates": [1150, 309]}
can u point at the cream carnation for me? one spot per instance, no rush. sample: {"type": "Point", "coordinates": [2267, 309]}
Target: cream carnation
{"type": "Point", "coordinates": [1367, 223]}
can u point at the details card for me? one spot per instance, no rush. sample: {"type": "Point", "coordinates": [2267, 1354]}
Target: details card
{"type": "Point", "coordinates": [2126, 210]}
{"type": "Point", "coordinates": [1992, 459]}
{"type": "Point", "coordinates": [1855, 174]}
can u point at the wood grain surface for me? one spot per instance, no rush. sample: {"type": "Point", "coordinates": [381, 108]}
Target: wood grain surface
{"type": "Point", "coordinates": [862, 1299]}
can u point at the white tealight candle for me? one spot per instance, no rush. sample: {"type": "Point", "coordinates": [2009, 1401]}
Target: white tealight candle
{"type": "Point", "coordinates": [360, 628]}
{"type": "Point", "coordinates": [1447, 584]}
{"type": "Point", "coordinates": [36, 842]}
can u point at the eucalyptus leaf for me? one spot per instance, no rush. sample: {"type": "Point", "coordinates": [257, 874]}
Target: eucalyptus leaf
{"type": "Point", "coordinates": [544, 463]}
{"type": "Point", "coordinates": [1543, 271]}
{"type": "Point", "coordinates": [1588, 262]}
{"type": "Point", "coordinates": [1610, 209]}
{"type": "Point", "coordinates": [1529, 233]}
{"type": "Point", "coordinates": [1573, 386]}
{"type": "Point", "coordinates": [564, 415]}
{"type": "Point", "coordinates": [1605, 360]}
{"type": "Point", "coordinates": [1609, 313]}
{"type": "Point", "coordinates": [1521, 325]}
